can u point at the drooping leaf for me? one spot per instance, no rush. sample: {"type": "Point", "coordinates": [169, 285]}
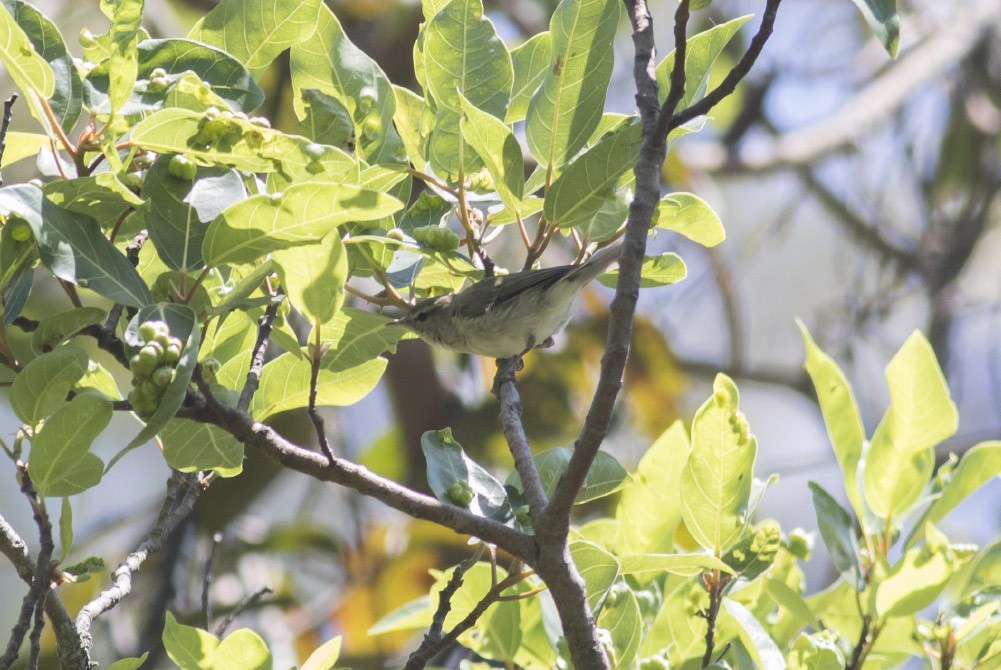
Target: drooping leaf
{"type": "Point", "coordinates": [29, 71]}
{"type": "Point", "coordinates": [899, 461]}
{"type": "Point", "coordinates": [716, 482]}
{"type": "Point", "coordinates": [649, 565]}
{"type": "Point", "coordinates": [255, 33]}
{"type": "Point", "coordinates": [757, 641]}
{"type": "Point", "coordinates": [313, 277]}
{"type": "Point", "coordinates": [303, 214]}
{"type": "Point", "coordinates": [691, 216]}
{"type": "Point", "coordinates": [567, 106]}
{"type": "Point", "coordinates": [604, 478]}
{"type": "Point", "coordinates": [74, 249]}
{"type": "Point", "coordinates": [123, 64]}
{"type": "Point", "coordinates": [597, 567]}
{"type": "Point", "coordinates": [189, 446]}
{"type": "Point", "coordinates": [622, 619]}
{"type": "Point", "coordinates": [40, 388]}
{"type": "Point", "coordinates": [101, 196]}
{"type": "Point", "coordinates": [663, 270]}
{"type": "Point", "coordinates": [530, 61]}
{"type": "Point", "coordinates": [881, 15]}
{"type": "Point", "coordinates": [839, 536]}
{"type": "Point", "coordinates": [61, 463]}
{"type": "Point", "coordinates": [450, 469]}
{"type": "Point", "coordinates": [499, 150]}
{"type": "Point", "coordinates": [841, 414]}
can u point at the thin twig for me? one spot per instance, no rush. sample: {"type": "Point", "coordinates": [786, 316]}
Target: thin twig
{"type": "Point", "coordinates": [8, 113]}
{"type": "Point", "coordinates": [240, 608]}
{"type": "Point", "coordinates": [41, 583]}
{"type": "Point", "coordinates": [517, 441]}
{"type": "Point", "coordinates": [716, 585]}
{"type": "Point", "coordinates": [264, 325]}
{"type": "Point", "coordinates": [182, 493]}
{"type": "Point", "coordinates": [207, 579]}
{"type": "Point", "coordinates": [314, 379]}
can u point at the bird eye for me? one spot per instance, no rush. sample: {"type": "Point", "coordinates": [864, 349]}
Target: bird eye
{"type": "Point", "coordinates": [423, 316]}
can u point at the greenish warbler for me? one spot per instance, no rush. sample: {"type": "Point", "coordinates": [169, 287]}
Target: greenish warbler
{"type": "Point", "coordinates": [506, 315]}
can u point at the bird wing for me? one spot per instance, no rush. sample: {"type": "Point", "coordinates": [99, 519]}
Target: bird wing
{"type": "Point", "coordinates": [493, 292]}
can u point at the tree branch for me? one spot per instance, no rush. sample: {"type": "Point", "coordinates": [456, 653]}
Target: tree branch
{"type": "Point", "coordinates": [182, 492]}
{"type": "Point", "coordinates": [347, 473]}
{"type": "Point", "coordinates": [517, 441]}
{"type": "Point", "coordinates": [264, 325]}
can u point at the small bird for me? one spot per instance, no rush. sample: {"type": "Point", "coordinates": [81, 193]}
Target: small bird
{"type": "Point", "coordinates": [506, 315]}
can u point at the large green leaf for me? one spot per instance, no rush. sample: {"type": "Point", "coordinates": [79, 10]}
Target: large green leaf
{"type": "Point", "coordinates": [242, 649]}
{"type": "Point", "coordinates": [101, 196]}
{"type": "Point", "coordinates": [331, 64]}
{"type": "Point", "coordinates": [816, 651]}
{"type": "Point", "coordinates": [325, 656]}
{"type": "Point", "coordinates": [40, 388]}
{"type": "Point", "coordinates": [256, 32]}
{"type": "Point", "coordinates": [29, 71]}
{"type": "Point", "coordinates": [74, 249]}
{"type": "Point", "coordinates": [178, 211]}
{"type": "Point", "coordinates": [61, 463]}
{"type": "Point", "coordinates": [54, 330]}
{"type": "Point", "coordinates": [920, 575]}
{"type": "Point", "coordinates": [702, 50]}
{"type": "Point", "coordinates": [652, 565]}
{"type": "Point", "coordinates": [302, 214]}
{"type": "Point", "coordinates": [188, 647]}
{"type": "Point", "coordinates": [530, 61]}
{"type": "Point", "coordinates": [677, 627]}
{"type": "Point", "coordinates": [662, 270]}
{"type": "Point", "coordinates": [450, 471]}
{"type": "Point", "coordinates": [759, 644]}
{"type": "Point", "coordinates": [567, 106]}
{"type": "Point", "coordinates": [189, 446]}
{"type": "Point", "coordinates": [244, 145]}
{"type": "Point", "coordinates": [589, 181]}
{"type": "Point", "coordinates": [691, 216]}
{"type": "Point", "coordinates": [980, 464]}
{"type": "Point", "coordinates": [604, 477]}
{"type": "Point", "coordinates": [597, 567]}
{"type": "Point", "coordinates": [841, 414]}
{"type": "Point", "coordinates": [349, 370]}
{"type": "Point", "coordinates": [123, 64]}
{"type": "Point", "coordinates": [921, 414]}
{"type": "Point", "coordinates": [23, 145]}
{"type": "Point", "coordinates": [67, 95]}
{"type": "Point", "coordinates": [716, 482]}
{"type": "Point", "coordinates": [622, 619]}
{"type": "Point", "coordinates": [881, 15]}
{"type": "Point", "coordinates": [499, 150]}
{"type": "Point", "coordinates": [464, 58]}
{"type": "Point", "coordinates": [650, 507]}
{"type": "Point", "coordinates": [313, 277]}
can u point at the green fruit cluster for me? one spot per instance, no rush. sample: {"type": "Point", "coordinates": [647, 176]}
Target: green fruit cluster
{"type": "Point", "coordinates": [153, 368]}
{"type": "Point", "coordinates": [460, 493]}
{"type": "Point", "coordinates": [439, 239]}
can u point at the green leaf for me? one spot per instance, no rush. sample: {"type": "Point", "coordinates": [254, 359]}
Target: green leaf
{"type": "Point", "coordinates": [303, 214]}
{"type": "Point", "coordinates": [331, 64]}
{"type": "Point", "coordinates": [67, 96]}
{"type": "Point", "coordinates": [178, 212]}
{"type": "Point", "coordinates": [918, 577]}
{"type": "Point", "coordinates": [74, 249]}
{"type": "Point", "coordinates": [921, 414]}
{"type": "Point", "coordinates": [98, 380]}
{"type": "Point", "coordinates": [129, 663]}
{"type": "Point", "coordinates": [448, 464]}
{"type": "Point", "coordinates": [22, 145]}
{"type": "Point", "coordinates": [716, 482]}
{"type": "Point", "coordinates": [881, 15]}
{"type": "Point", "coordinates": [530, 61]}
{"type": "Point", "coordinates": [245, 146]}
{"type": "Point", "coordinates": [756, 639]}
{"type": "Point", "coordinates": [56, 329]}
{"type": "Point", "coordinates": [663, 270]}
{"type": "Point", "coordinates": [241, 650]}
{"type": "Point", "coordinates": [978, 466]}
{"type": "Point", "coordinates": [501, 632]}
{"type": "Point", "coordinates": [604, 477]}
{"type": "Point", "coordinates": [41, 387]}
{"type": "Point", "coordinates": [229, 79]}
{"type": "Point", "coordinates": [701, 52]}
{"type": "Point", "coordinates": [463, 57]}
{"type": "Point", "coordinates": [410, 110]}
{"type": "Point", "coordinates": [65, 529]}
{"type": "Point", "coordinates": [757, 550]}
{"type": "Point", "coordinates": [839, 536]}
{"type": "Point", "coordinates": [597, 567]}
{"type": "Point", "coordinates": [256, 33]}
{"type": "Point", "coordinates": [61, 463]}
{"type": "Point", "coordinates": [677, 626]}
{"type": "Point", "coordinates": [313, 277]}
{"type": "Point", "coordinates": [567, 106]}
{"type": "Point", "coordinates": [188, 647]}
{"type": "Point", "coordinates": [841, 414]}
{"type": "Point", "coordinates": [123, 64]}
{"type": "Point", "coordinates": [499, 149]}
{"type": "Point", "coordinates": [26, 67]}
{"type": "Point", "coordinates": [816, 651]}
{"type": "Point", "coordinates": [326, 120]}
{"type": "Point", "coordinates": [589, 181]}
{"type": "Point", "coordinates": [244, 287]}
{"type": "Point", "coordinates": [415, 614]}
{"type": "Point", "coordinates": [189, 446]}
{"type": "Point", "coordinates": [184, 326]}
{"type": "Point", "coordinates": [349, 370]}
{"type": "Point", "coordinates": [691, 216]}
{"type": "Point", "coordinates": [687, 565]}
{"type": "Point", "coordinates": [325, 656]}
{"type": "Point", "coordinates": [622, 619]}
{"type": "Point", "coordinates": [102, 196]}
{"type": "Point", "coordinates": [791, 601]}
{"type": "Point", "coordinates": [650, 507]}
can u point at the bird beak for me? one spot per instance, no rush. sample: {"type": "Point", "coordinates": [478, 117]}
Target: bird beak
{"type": "Point", "coordinates": [395, 322]}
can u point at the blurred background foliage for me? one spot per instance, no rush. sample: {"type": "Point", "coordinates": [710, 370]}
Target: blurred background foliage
{"type": "Point", "coordinates": [859, 194]}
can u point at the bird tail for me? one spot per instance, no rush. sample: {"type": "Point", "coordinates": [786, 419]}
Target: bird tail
{"type": "Point", "coordinates": [596, 265]}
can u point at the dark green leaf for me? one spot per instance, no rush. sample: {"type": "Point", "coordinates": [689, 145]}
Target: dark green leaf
{"type": "Point", "coordinates": [839, 536]}
{"type": "Point", "coordinates": [448, 464]}
{"type": "Point", "coordinates": [605, 476]}
{"type": "Point", "coordinates": [102, 197]}
{"type": "Point", "coordinates": [881, 15]}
